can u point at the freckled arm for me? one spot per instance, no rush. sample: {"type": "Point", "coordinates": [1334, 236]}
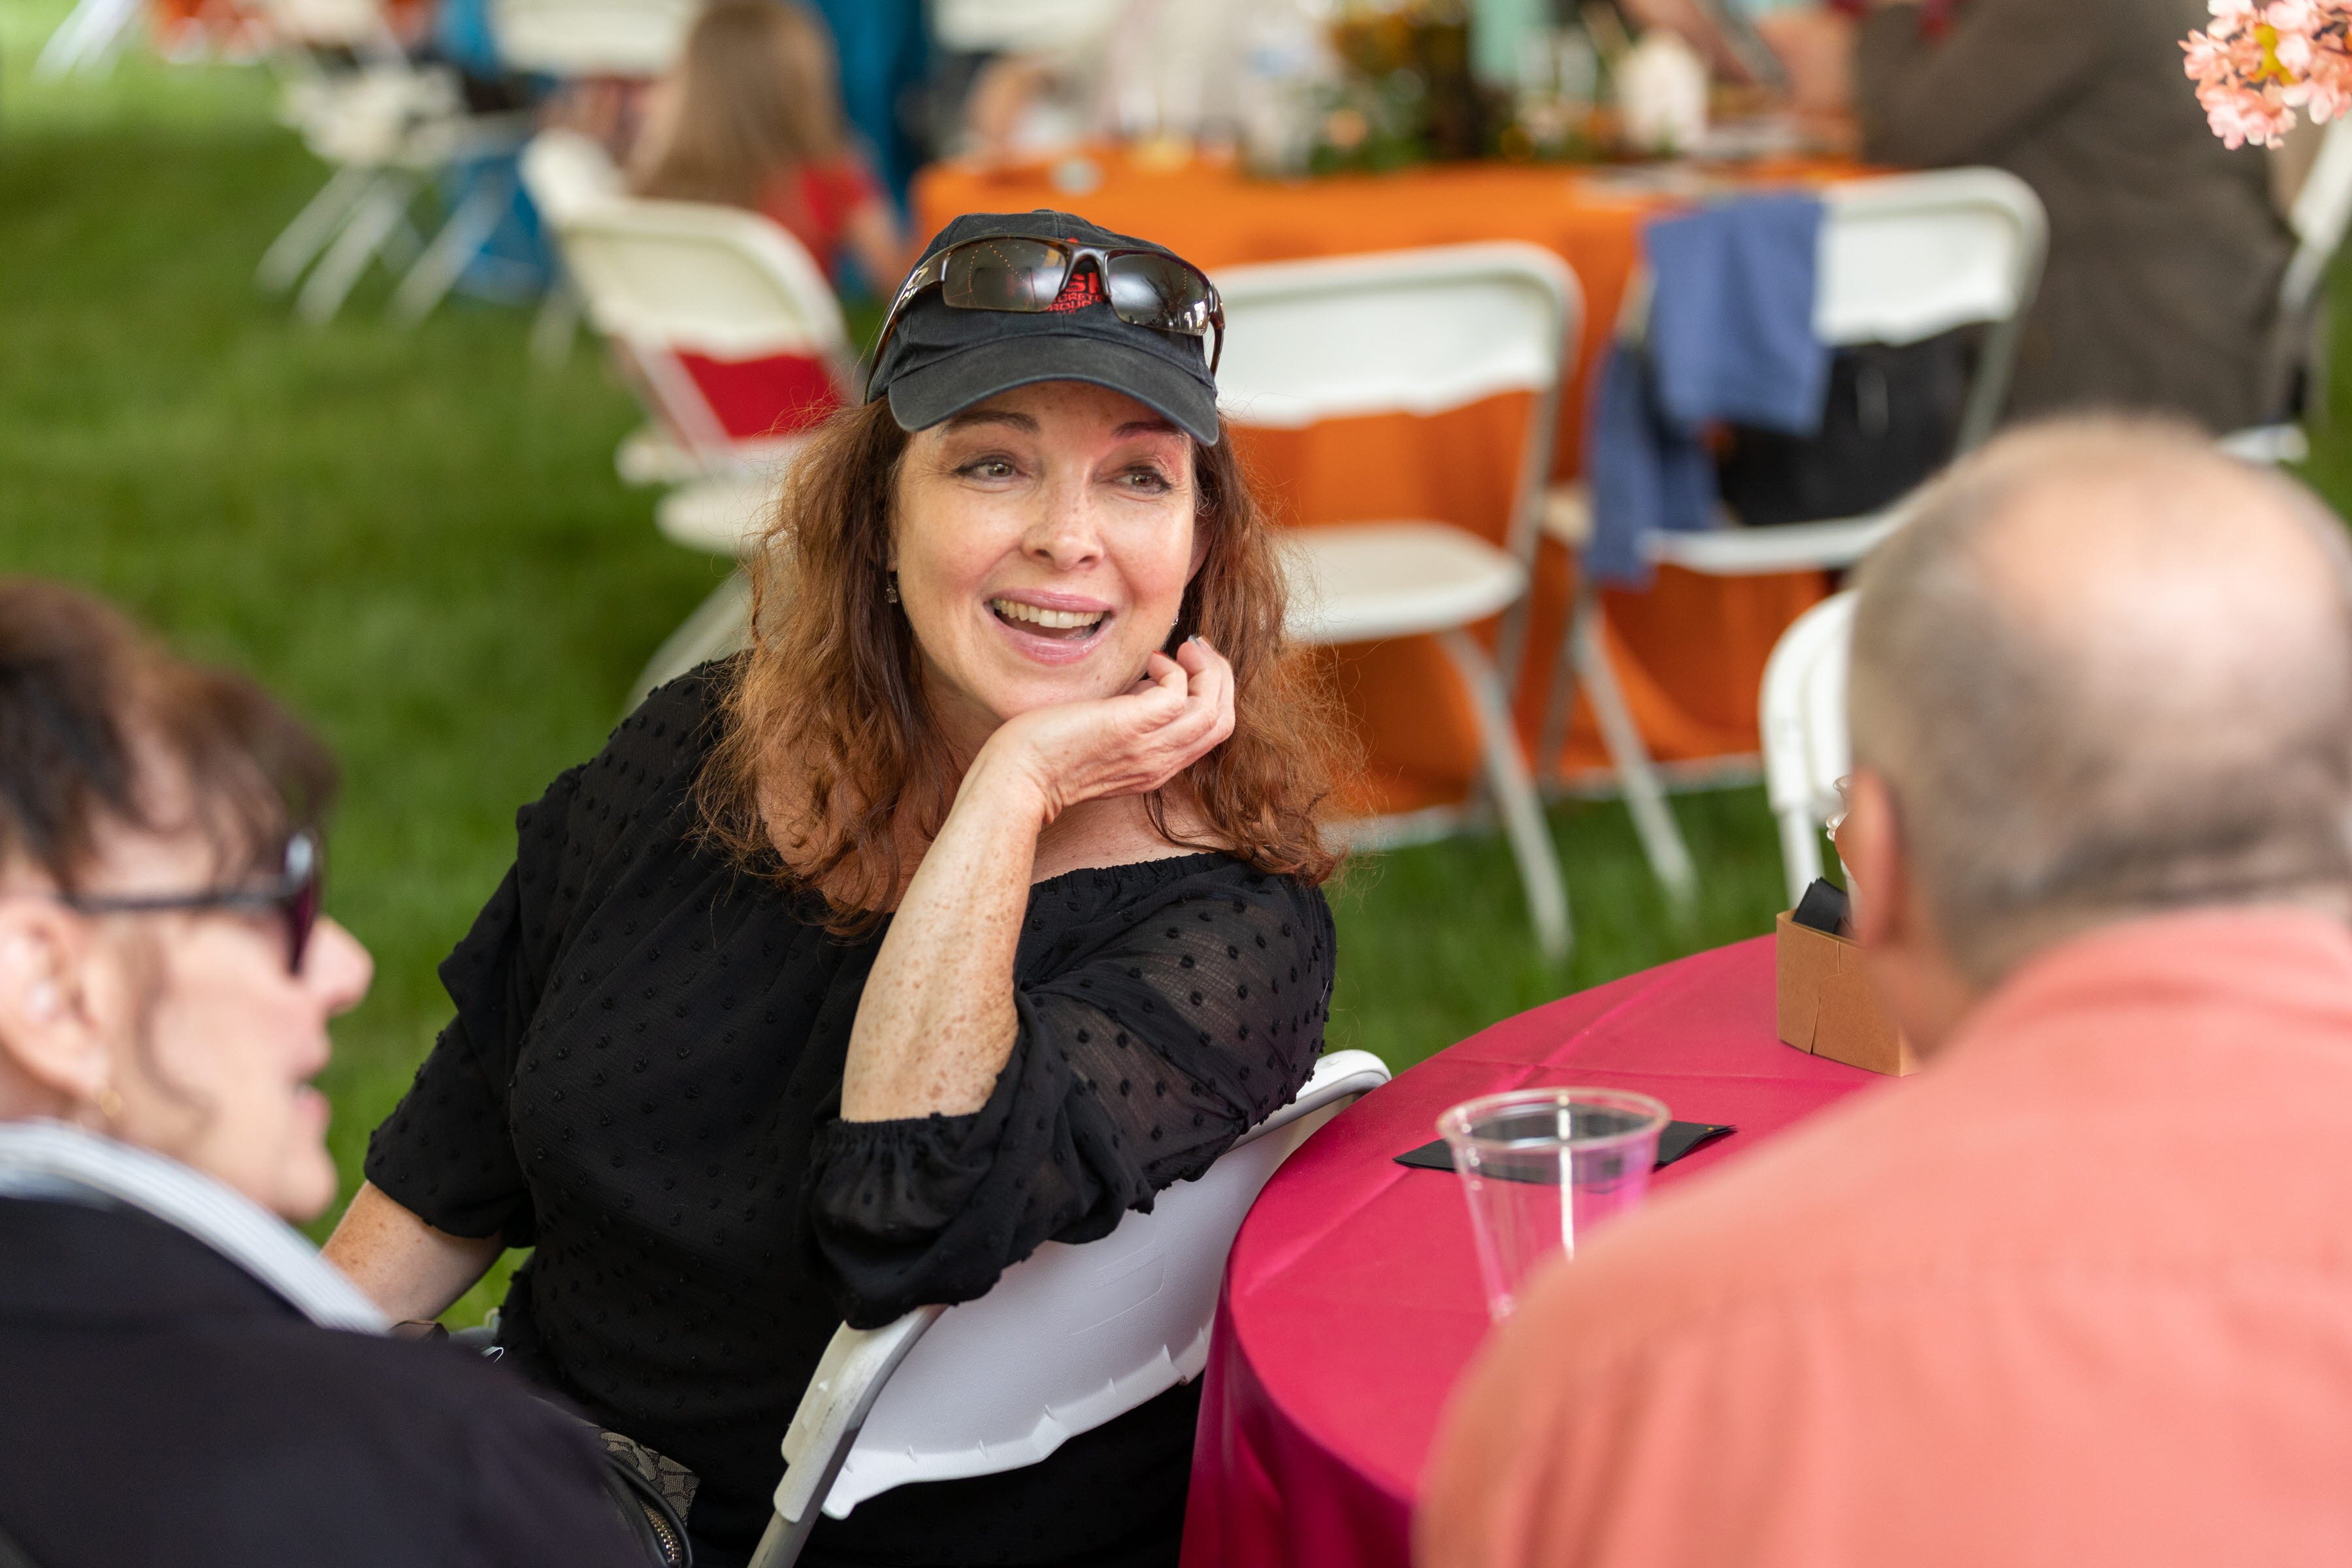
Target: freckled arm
{"type": "Point", "coordinates": [937, 1022]}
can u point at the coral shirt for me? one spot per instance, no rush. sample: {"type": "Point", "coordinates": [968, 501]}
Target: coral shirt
{"type": "Point", "coordinates": [2079, 1293]}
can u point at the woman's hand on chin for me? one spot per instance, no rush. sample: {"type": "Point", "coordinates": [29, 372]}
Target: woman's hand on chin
{"type": "Point", "coordinates": [1129, 744]}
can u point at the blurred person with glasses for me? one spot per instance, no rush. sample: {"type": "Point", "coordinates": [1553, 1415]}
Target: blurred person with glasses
{"type": "Point", "coordinates": [181, 1379]}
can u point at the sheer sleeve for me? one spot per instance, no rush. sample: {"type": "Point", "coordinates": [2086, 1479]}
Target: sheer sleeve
{"type": "Point", "coordinates": [446, 1152]}
{"type": "Point", "coordinates": [1152, 1035]}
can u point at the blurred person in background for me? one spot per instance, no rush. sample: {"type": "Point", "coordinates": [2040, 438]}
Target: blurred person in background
{"type": "Point", "coordinates": [1810, 44]}
{"type": "Point", "coordinates": [2166, 251]}
{"type": "Point", "coordinates": [1051, 75]}
{"type": "Point", "coordinates": [167, 1391]}
{"type": "Point", "coordinates": [2080, 1291]}
{"type": "Point", "coordinates": [751, 117]}
{"type": "Point", "coordinates": [974, 904]}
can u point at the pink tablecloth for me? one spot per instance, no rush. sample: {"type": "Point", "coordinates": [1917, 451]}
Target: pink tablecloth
{"type": "Point", "coordinates": [1353, 1301]}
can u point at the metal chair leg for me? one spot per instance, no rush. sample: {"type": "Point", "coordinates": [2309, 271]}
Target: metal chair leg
{"type": "Point", "coordinates": [1645, 798]}
{"type": "Point", "coordinates": [331, 282]}
{"type": "Point", "coordinates": [1515, 797]}
{"type": "Point", "coordinates": [557, 323]}
{"type": "Point", "coordinates": [443, 261]}
{"type": "Point", "coordinates": [89, 34]}
{"type": "Point", "coordinates": [717, 627]}
{"type": "Point", "coordinates": [1560, 702]}
{"type": "Point", "coordinates": [312, 228]}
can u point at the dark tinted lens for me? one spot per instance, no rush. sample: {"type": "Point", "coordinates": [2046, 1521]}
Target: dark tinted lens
{"type": "Point", "coordinates": [1159, 291]}
{"type": "Point", "coordinates": [1005, 275]}
{"type": "Point", "coordinates": [301, 904]}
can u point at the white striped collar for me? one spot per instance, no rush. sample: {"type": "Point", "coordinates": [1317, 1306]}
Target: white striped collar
{"type": "Point", "coordinates": [50, 1160]}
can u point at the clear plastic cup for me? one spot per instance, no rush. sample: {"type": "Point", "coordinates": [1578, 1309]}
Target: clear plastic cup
{"type": "Point", "coordinates": [1540, 1167]}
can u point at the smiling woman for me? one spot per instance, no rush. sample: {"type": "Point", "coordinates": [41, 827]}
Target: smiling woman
{"type": "Point", "coordinates": [972, 905]}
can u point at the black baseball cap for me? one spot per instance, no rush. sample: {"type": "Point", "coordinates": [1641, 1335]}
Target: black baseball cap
{"type": "Point", "coordinates": [940, 360]}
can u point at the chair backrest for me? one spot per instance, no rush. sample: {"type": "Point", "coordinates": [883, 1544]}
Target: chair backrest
{"type": "Point", "coordinates": [2320, 216]}
{"type": "Point", "coordinates": [1904, 256]}
{"type": "Point", "coordinates": [1806, 746]}
{"type": "Point", "coordinates": [701, 298]}
{"type": "Point", "coordinates": [565, 174]}
{"type": "Point", "coordinates": [1070, 1338]}
{"type": "Point", "coordinates": [590, 38]}
{"type": "Point", "coordinates": [1410, 332]}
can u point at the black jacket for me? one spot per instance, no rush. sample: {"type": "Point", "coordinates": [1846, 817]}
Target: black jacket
{"type": "Point", "coordinates": [159, 1406]}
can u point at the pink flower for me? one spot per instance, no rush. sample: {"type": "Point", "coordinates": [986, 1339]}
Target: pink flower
{"type": "Point", "coordinates": [2240, 115]}
{"type": "Point", "coordinates": [2230, 17]}
{"type": "Point", "coordinates": [2259, 60]}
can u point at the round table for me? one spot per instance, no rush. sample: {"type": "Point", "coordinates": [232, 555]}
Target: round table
{"type": "Point", "coordinates": [1352, 1302]}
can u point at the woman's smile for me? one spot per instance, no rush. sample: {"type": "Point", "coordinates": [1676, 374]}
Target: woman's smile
{"type": "Point", "coordinates": [1053, 628]}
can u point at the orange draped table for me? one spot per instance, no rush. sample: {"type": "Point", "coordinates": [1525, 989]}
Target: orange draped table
{"type": "Point", "coordinates": [1689, 652]}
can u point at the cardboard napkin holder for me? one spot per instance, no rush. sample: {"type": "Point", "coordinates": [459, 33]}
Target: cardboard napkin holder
{"type": "Point", "coordinates": [1827, 1006]}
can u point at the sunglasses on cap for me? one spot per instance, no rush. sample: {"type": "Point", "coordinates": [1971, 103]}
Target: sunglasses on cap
{"type": "Point", "coordinates": [293, 897]}
{"type": "Point", "coordinates": [1030, 276]}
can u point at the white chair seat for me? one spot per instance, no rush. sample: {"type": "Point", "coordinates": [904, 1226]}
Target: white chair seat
{"type": "Point", "coordinates": [646, 456]}
{"type": "Point", "coordinates": [723, 515]}
{"type": "Point", "coordinates": [1364, 581]}
{"type": "Point", "coordinates": [1732, 549]}
{"type": "Point", "coordinates": [1738, 552]}
{"type": "Point", "coordinates": [2270, 445]}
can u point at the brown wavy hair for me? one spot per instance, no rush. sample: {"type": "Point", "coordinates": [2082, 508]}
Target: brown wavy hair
{"type": "Point", "coordinates": [831, 688]}
{"type": "Point", "coordinates": [755, 92]}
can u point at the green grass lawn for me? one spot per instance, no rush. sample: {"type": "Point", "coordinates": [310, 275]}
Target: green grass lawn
{"type": "Point", "coordinates": [417, 537]}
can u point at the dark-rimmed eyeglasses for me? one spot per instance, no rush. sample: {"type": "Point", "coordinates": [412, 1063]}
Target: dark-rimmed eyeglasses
{"type": "Point", "coordinates": [1026, 275]}
{"type": "Point", "coordinates": [293, 897]}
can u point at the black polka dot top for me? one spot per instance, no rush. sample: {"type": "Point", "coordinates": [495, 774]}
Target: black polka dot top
{"type": "Point", "coordinates": [643, 1083]}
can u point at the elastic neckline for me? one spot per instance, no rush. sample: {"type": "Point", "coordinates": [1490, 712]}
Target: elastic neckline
{"type": "Point", "coordinates": [1156, 866]}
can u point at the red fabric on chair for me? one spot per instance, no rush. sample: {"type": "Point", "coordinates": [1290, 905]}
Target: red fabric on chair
{"type": "Point", "coordinates": [775, 394]}
{"type": "Point", "coordinates": [1352, 1301]}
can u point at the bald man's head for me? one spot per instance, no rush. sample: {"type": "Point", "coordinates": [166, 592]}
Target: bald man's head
{"type": "Point", "coordinates": [2105, 670]}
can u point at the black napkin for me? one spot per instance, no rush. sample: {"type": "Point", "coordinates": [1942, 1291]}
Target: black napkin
{"type": "Point", "coordinates": [1826, 908]}
{"type": "Point", "coordinates": [1678, 1140]}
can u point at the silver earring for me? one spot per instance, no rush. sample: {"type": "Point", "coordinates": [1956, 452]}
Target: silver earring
{"type": "Point", "coordinates": [890, 589]}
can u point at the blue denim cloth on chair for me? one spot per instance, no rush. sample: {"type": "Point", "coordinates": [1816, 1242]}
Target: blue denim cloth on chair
{"type": "Point", "coordinates": [1730, 338]}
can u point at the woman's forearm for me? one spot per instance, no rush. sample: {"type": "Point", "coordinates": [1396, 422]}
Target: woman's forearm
{"type": "Point", "coordinates": [936, 1023]}
{"type": "Point", "coordinates": [402, 1263]}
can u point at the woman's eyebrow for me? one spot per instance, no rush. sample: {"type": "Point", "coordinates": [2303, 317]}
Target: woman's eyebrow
{"type": "Point", "coordinates": [972, 417]}
{"type": "Point", "coordinates": [1145, 428]}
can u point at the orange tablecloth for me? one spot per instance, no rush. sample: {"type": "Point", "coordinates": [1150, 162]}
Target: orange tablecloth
{"type": "Point", "coordinates": [1690, 652]}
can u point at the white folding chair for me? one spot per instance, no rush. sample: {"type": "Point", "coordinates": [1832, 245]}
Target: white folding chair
{"type": "Point", "coordinates": [1807, 750]}
{"type": "Point", "coordinates": [565, 172]}
{"type": "Point", "coordinates": [573, 38]}
{"type": "Point", "coordinates": [662, 279]}
{"type": "Point", "coordinates": [88, 36]}
{"type": "Point", "coordinates": [386, 126]}
{"type": "Point", "coordinates": [1903, 258]}
{"type": "Point", "coordinates": [1418, 331]}
{"type": "Point", "coordinates": [2319, 217]}
{"type": "Point", "coordinates": [1068, 1340]}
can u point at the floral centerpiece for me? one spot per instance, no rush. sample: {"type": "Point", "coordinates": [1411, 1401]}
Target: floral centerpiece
{"type": "Point", "coordinates": [2260, 61]}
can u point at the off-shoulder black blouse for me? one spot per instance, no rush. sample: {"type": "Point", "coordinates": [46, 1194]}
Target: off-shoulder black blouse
{"type": "Point", "coordinates": [643, 1082]}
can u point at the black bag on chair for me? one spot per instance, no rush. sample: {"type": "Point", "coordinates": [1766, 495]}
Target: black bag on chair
{"type": "Point", "coordinates": [1890, 418]}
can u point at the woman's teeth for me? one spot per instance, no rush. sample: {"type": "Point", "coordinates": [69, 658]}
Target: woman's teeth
{"type": "Point", "coordinates": [1050, 620]}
